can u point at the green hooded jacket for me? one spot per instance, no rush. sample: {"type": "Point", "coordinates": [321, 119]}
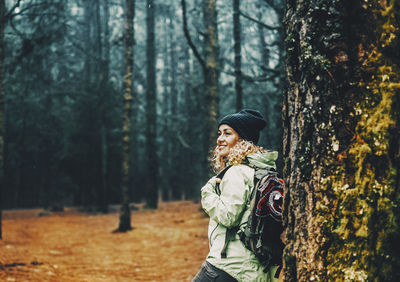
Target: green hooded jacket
{"type": "Point", "coordinates": [230, 209]}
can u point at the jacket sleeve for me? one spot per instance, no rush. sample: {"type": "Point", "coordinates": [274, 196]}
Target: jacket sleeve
{"type": "Point", "coordinates": [227, 208]}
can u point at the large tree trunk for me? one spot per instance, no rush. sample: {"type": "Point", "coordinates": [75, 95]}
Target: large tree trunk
{"type": "Point", "coordinates": [151, 146]}
{"type": "Point", "coordinates": [2, 24]}
{"type": "Point", "coordinates": [125, 214]}
{"type": "Point", "coordinates": [341, 148]}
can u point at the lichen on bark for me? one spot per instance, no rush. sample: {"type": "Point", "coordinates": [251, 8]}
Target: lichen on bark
{"type": "Point", "coordinates": [341, 114]}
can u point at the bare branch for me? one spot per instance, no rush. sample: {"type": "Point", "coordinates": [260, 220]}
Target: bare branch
{"type": "Point", "coordinates": [188, 38]}
{"type": "Point", "coordinates": [7, 15]}
{"type": "Point", "coordinates": [272, 74]}
{"type": "Point", "coordinates": [259, 22]}
{"type": "Point", "coordinates": [11, 13]}
{"type": "Point", "coordinates": [183, 142]}
{"type": "Point", "coordinates": [17, 32]}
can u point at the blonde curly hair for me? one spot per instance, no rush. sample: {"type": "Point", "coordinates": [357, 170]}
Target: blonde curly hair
{"type": "Point", "coordinates": [237, 154]}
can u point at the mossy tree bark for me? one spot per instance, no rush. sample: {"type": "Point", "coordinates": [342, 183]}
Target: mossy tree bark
{"type": "Point", "coordinates": [125, 213]}
{"type": "Point", "coordinates": [341, 141]}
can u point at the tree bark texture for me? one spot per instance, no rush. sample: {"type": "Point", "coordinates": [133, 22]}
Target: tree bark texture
{"type": "Point", "coordinates": [341, 141]}
{"type": "Point", "coordinates": [211, 71]}
{"type": "Point", "coordinates": [125, 214]}
{"type": "Point", "coordinates": [2, 25]}
{"type": "Point", "coordinates": [151, 146]}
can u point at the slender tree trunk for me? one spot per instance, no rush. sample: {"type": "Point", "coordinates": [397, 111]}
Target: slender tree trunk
{"type": "Point", "coordinates": [87, 76]}
{"type": "Point", "coordinates": [87, 178]}
{"type": "Point", "coordinates": [106, 41]}
{"type": "Point", "coordinates": [2, 25]}
{"type": "Point", "coordinates": [134, 164]}
{"type": "Point", "coordinates": [101, 71]}
{"type": "Point", "coordinates": [210, 69]}
{"type": "Point", "coordinates": [166, 130]}
{"type": "Point", "coordinates": [272, 100]}
{"type": "Point", "coordinates": [264, 51]}
{"type": "Point", "coordinates": [175, 147]}
{"type": "Point", "coordinates": [125, 214]}
{"type": "Point", "coordinates": [211, 74]}
{"type": "Point", "coordinates": [238, 55]}
{"type": "Point", "coordinates": [21, 200]}
{"type": "Point", "coordinates": [173, 61]}
{"type": "Point", "coordinates": [271, 96]}
{"type": "Point", "coordinates": [187, 109]}
{"type": "Point", "coordinates": [341, 145]}
{"type": "Point", "coordinates": [151, 146]}
{"type": "Point", "coordinates": [97, 42]}
{"type": "Point", "coordinates": [104, 48]}
{"type": "Point", "coordinates": [103, 203]}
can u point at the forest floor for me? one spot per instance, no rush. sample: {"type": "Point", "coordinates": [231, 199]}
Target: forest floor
{"type": "Point", "coordinates": [167, 244]}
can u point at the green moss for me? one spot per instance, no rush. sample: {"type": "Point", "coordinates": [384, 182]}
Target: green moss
{"type": "Point", "coordinates": [367, 217]}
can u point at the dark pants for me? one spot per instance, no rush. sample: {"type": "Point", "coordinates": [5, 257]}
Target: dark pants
{"type": "Point", "coordinates": [209, 273]}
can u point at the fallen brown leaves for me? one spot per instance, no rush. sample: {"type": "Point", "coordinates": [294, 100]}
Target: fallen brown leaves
{"type": "Point", "coordinates": [168, 244]}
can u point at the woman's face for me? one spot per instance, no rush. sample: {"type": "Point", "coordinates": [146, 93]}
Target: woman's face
{"type": "Point", "coordinates": [227, 138]}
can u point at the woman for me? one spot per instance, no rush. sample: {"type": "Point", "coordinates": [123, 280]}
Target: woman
{"type": "Point", "coordinates": [229, 207]}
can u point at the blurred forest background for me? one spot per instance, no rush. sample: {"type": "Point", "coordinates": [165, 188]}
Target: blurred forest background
{"type": "Point", "coordinates": [65, 63]}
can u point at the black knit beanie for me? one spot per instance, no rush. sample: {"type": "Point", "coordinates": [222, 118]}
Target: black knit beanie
{"type": "Point", "coordinates": [247, 123]}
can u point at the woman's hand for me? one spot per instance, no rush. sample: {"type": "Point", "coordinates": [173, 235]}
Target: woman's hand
{"type": "Point", "coordinates": [214, 181]}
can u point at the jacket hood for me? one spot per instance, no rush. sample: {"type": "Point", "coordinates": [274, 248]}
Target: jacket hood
{"type": "Point", "coordinates": [264, 161]}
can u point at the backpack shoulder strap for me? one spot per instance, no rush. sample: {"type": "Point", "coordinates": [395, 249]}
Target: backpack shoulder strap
{"type": "Point", "coordinates": [220, 175]}
{"type": "Point", "coordinates": [222, 172]}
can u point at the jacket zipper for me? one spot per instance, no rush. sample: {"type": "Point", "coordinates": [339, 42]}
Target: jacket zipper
{"type": "Point", "coordinates": [212, 232]}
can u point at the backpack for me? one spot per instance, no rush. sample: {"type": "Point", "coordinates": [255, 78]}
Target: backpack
{"type": "Point", "coordinates": [262, 230]}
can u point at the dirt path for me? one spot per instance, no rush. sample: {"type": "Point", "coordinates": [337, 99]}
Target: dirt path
{"type": "Point", "coordinates": [168, 244]}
